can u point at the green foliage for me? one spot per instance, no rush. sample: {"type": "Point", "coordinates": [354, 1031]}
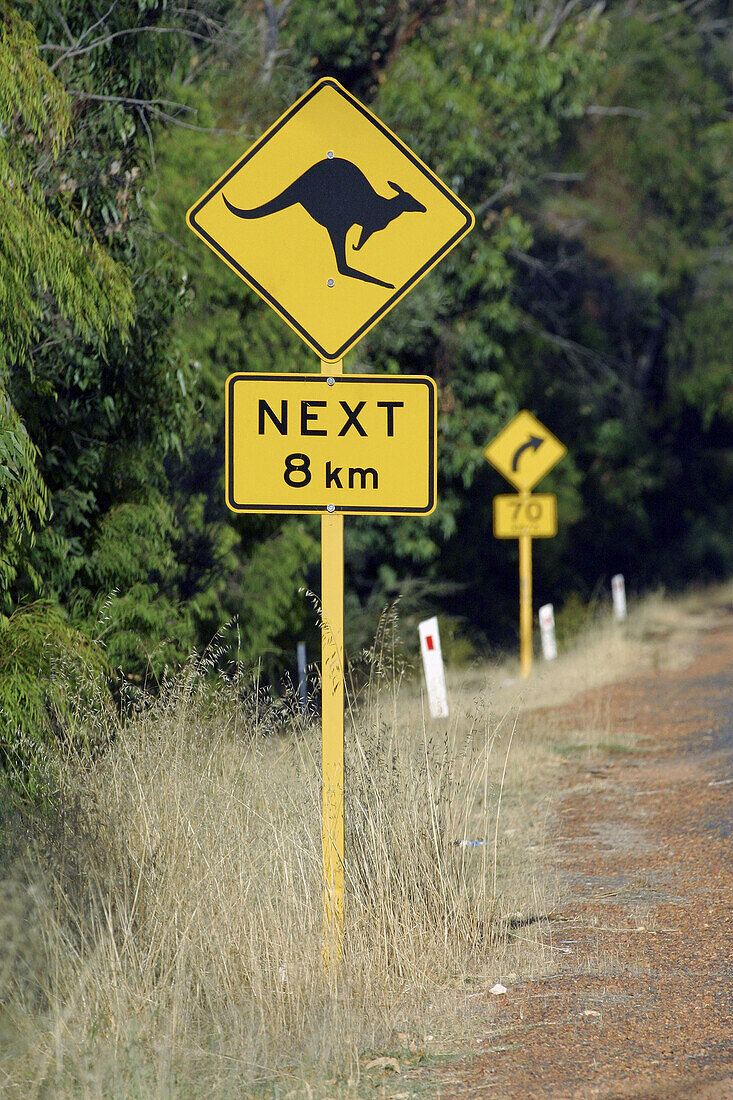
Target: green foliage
{"type": "Point", "coordinates": [49, 259]}
{"type": "Point", "coordinates": [96, 401]}
{"type": "Point", "coordinates": [134, 541]}
{"type": "Point", "coordinates": [103, 396]}
{"type": "Point", "coordinates": [594, 150]}
{"type": "Point", "coordinates": [573, 619]}
{"type": "Point", "coordinates": [46, 247]}
{"type": "Point", "coordinates": [47, 671]}
{"type": "Point", "coordinates": [23, 494]}
{"type": "Point", "coordinates": [273, 606]}
{"type": "Point", "coordinates": [633, 346]}
{"type": "Point", "coordinates": [701, 349]}
{"type": "Point", "coordinates": [352, 41]}
{"type": "Point", "coordinates": [656, 194]}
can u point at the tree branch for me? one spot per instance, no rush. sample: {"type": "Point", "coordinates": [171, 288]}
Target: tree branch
{"type": "Point", "coordinates": [155, 107]}
{"type": "Point", "coordinates": [509, 188]}
{"type": "Point", "coordinates": [130, 101]}
{"type": "Point", "coordinates": [67, 53]}
{"type": "Point", "coordinates": [627, 112]}
{"type": "Point", "coordinates": [562, 12]}
{"type": "Point", "coordinates": [274, 15]}
{"type": "Point", "coordinates": [565, 177]}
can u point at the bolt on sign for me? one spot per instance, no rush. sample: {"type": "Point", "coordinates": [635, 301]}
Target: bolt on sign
{"type": "Point", "coordinates": [524, 451]}
{"type": "Point", "coordinates": [517, 514]}
{"type": "Point", "coordinates": [357, 444]}
{"type": "Point", "coordinates": [330, 218]}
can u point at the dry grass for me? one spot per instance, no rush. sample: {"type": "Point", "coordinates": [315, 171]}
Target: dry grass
{"type": "Point", "coordinates": [160, 930]}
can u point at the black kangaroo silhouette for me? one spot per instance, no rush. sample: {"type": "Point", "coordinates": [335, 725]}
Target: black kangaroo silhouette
{"type": "Point", "coordinates": [338, 195]}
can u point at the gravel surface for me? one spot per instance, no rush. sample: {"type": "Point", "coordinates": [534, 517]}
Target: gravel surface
{"type": "Point", "coordinates": [642, 1003]}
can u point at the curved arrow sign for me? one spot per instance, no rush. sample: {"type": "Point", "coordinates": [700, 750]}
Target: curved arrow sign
{"type": "Point", "coordinates": [534, 442]}
{"type": "Point", "coordinates": [524, 451]}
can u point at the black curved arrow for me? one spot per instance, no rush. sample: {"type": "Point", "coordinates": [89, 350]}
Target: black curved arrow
{"type": "Point", "coordinates": [534, 442]}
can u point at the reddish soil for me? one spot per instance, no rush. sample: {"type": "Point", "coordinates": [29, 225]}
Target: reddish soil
{"type": "Point", "coordinates": [642, 1004]}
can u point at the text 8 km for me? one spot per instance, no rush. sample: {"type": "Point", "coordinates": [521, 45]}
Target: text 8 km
{"type": "Point", "coordinates": [298, 473]}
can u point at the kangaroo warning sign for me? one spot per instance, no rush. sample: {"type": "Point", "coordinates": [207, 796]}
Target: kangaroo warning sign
{"type": "Point", "coordinates": [330, 218]}
{"type": "Point", "coordinates": [359, 444]}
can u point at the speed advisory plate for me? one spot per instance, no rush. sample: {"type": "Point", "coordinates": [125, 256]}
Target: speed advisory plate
{"type": "Point", "coordinates": [517, 514]}
{"type": "Point", "coordinates": [355, 444]}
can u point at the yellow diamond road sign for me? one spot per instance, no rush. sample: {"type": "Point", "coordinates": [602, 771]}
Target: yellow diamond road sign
{"type": "Point", "coordinates": [330, 218]}
{"type": "Point", "coordinates": [524, 451]}
{"type": "Point", "coordinates": [517, 514]}
{"type": "Point", "coordinates": [351, 443]}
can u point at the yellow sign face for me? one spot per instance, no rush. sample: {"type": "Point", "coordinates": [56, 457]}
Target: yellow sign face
{"type": "Point", "coordinates": [524, 451]}
{"type": "Point", "coordinates": [330, 218]}
{"type": "Point", "coordinates": [519, 514]}
{"type": "Point", "coordinates": [356, 444]}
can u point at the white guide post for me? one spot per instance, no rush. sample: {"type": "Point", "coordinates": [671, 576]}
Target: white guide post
{"type": "Point", "coordinates": [547, 632]}
{"type": "Point", "coordinates": [618, 590]}
{"type": "Point", "coordinates": [432, 660]}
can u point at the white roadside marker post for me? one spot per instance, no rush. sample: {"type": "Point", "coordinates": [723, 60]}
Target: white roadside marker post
{"type": "Point", "coordinates": [302, 679]}
{"type": "Point", "coordinates": [618, 590]}
{"type": "Point", "coordinates": [547, 632]}
{"type": "Point", "coordinates": [432, 661]}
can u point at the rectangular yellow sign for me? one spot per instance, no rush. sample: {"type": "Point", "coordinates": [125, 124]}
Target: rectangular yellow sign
{"type": "Point", "coordinates": [355, 444]}
{"type": "Point", "coordinates": [519, 514]}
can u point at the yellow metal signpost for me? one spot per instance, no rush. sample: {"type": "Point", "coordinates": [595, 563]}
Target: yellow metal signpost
{"type": "Point", "coordinates": [331, 219]}
{"type": "Point", "coordinates": [524, 451]}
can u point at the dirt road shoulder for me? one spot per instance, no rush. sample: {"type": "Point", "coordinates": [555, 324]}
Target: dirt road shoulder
{"type": "Point", "coordinates": [642, 1002]}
